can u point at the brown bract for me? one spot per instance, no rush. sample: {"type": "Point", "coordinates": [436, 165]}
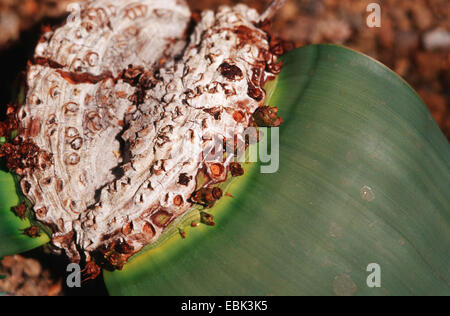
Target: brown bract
{"type": "Point", "coordinates": [236, 169]}
{"type": "Point", "coordinates": [32, 231]}
{"type": "Point", "coordinates": [124, 104]}
{"type": "Point", "coordinates": [266, 116]}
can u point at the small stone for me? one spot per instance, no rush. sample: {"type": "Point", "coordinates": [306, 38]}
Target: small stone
{"type": "Point", "coordinates": [32, 268]}
{"type": "Point", "coordinates": [437, 39]}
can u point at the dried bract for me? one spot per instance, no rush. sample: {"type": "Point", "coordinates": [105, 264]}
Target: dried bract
{"type": "Point", "coordinates": [266, 116]}
{"type": "Point", "coordinates": [20, 210]}
{"type": "Point", "coordinates": [32, 231]}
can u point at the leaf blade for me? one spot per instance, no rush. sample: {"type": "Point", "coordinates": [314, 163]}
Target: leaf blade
{"type": "Point", "coordinates": [11, 227]}
{"type": "Point", "coordinates": [363, 178]}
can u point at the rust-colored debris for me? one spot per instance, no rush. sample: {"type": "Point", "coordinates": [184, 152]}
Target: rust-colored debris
{"type": "Point", "coordinates": [32, 231]}
{"type": "Point", "coordinates": [266, 116]}
{"type": "Point", "coordinates": [20, 210]}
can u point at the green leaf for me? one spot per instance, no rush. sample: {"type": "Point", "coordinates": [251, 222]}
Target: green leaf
{"type": "Point", "coordinates": [12, 239]}
{"type": "Point", "coordinates": [364, 178]}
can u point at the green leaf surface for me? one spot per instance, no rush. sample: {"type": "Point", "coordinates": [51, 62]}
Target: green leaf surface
{"type": "Point", "coordinates": [12, 239]}
{"type": "Point", "coordinates": [363, 178]}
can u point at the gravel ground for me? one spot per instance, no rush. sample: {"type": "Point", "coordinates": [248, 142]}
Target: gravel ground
{"type": "Point", "coordinates": [26, 276]}
{"type": "Point", "coordinates": [414, 40]}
